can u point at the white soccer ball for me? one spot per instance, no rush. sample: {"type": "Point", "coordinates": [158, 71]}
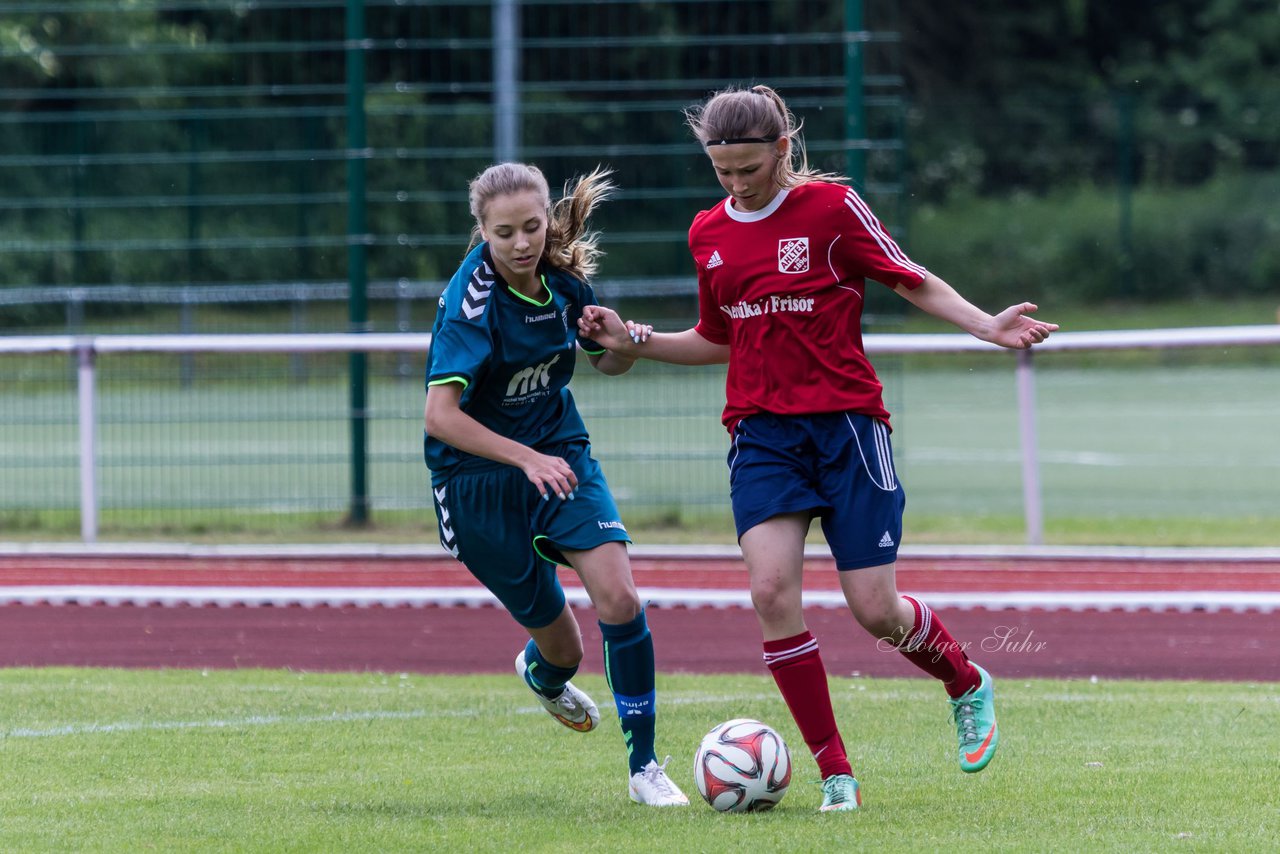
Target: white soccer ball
{"type": "Point", "coordinates": [742, 765]}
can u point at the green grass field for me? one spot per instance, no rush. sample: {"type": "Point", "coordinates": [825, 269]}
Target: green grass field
{"type": "Point", "coordinates": [109, 760]}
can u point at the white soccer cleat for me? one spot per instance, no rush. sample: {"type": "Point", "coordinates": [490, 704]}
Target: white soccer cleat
{"type": "Point", "coordinates": [652, 787]}
{"type": "Point", "coordinates": [573, 707]}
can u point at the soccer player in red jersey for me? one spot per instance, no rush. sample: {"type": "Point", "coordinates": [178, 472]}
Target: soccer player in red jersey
{"type": "Point", "coordinates": [782, 267]}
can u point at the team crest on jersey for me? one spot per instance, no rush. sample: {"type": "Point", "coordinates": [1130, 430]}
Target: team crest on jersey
{"type": "Point", "coordinates": [793, 255]}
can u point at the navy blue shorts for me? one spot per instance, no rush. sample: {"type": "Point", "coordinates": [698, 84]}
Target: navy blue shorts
{"type": "Point", "coordinates": [836, 466]}
{"type": "Point", "coordinates": [497, 524]}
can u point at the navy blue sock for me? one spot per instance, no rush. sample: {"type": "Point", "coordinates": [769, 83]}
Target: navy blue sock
{"type": "Point", "coordinates": [542, 676]}
{"type": "Point", "coordinates": [628, 667]}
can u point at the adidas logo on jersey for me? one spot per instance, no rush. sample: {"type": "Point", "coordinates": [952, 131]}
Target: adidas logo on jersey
{"type": "Point", "coordinates": [886, 542]}
{"type": "Point", "coordinates": [715, 260]}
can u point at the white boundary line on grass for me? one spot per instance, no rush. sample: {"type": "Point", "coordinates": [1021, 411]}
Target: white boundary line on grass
{"type": "Point", "coordinates": [474, 597]}
{"type": "Point", "coordinates": [250, 721]}
{"type": "Point", "coordinates": [333, 717]}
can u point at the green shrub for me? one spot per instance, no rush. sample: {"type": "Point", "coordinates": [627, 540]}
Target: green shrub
{"type": "Point", "coordinates": [1221, 239]}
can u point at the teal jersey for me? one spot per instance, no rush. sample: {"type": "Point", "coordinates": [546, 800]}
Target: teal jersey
{"type": "Point", "coordinates": [513, 355]}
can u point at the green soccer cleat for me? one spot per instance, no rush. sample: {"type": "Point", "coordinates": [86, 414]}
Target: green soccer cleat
{"type": "Point", "coordinates": [840, 793]}
{"type": "Point", "coordinates": [975, 717]}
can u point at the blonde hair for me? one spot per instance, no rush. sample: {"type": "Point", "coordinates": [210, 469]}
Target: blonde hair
{"type": "Point", "coordinates": [570, 246]}
{"type": "Point", "coordinates": [757, 113]}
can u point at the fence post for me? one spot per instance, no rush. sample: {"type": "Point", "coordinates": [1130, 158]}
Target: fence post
{"type": "Point", "coordinates": [88, 415]}
{"type": "Point", "coordinates": [855, 122]}
{"type": "Point", "coordinates": [357, 255]}
{"type": "Point", "coordinates": [506, 80]}
{"type": "Point", "coordinates": [1031, 507]}
{"type": "Point", "coordinates": [1125, 104]}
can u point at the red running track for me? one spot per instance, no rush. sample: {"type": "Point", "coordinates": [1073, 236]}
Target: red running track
{"type": "Point", "coordinates": [1030, 642]}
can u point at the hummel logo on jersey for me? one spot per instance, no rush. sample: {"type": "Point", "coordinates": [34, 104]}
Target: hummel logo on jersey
{"type": "Point", "coordinates": [478, 291]}
{"type": "Point", "coordinates": [531, 379]}
{"type": "Point", "coordinates": [715, 260]}
{"type": "Point", "coordinates": [793, 255]}
{"type": "Point", "coordinates": [886, 542]}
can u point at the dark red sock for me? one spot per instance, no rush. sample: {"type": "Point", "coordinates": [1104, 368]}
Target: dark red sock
{"type": "Point", "coordinates": [797, 669]}
{"type": "Point", "coordinates": [931, 647]}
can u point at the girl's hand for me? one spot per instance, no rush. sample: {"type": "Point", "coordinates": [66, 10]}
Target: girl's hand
{"type": "Point", "coordinates": [1014, 329]}
{"type": "Point", "coordinates": [551, 476]}
{"type": "Point", "coordinates": [603, 326]}
{"type": "Point", "coordinates": [639, 332]}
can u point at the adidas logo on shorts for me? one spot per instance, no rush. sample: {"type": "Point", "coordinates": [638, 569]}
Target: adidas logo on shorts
{"type": "Point", "coordinates": [886, 542]}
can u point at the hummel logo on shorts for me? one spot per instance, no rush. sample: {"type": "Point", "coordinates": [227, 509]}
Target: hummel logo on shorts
{"type": "Point", "coordinates": [715, 260]}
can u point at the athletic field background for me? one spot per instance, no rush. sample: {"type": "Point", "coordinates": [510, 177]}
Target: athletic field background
{"type": "Point", "coordinates": [1158, 448]}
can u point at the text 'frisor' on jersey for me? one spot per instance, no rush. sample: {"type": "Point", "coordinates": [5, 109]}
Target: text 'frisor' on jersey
{"type": "Point", "coordinates": [770, 305]}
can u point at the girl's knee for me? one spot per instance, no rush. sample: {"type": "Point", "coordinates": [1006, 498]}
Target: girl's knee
{"type": "Point", "coordinates": [618, 606]}
{"type": "Point", "coordinates": [884, 619]}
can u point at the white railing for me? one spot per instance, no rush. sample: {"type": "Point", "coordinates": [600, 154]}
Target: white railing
{"type": "Point", "coordinates": [87, 348]}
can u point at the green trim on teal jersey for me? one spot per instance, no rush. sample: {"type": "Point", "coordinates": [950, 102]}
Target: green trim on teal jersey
{"type": "Point", "coordinates": [465, 382]}
{"type": "Point", "coordinates": [531, 300]}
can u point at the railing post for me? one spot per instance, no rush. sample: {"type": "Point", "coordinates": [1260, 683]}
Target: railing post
{"type": "Point", "coordinates": [187, 326]}
{"type": "Point", "coordinates": [88, 415]}
{"type": "Point", "coordinates": [404, 323]}
{"type": "Point", "coordinates": [1032, 509]}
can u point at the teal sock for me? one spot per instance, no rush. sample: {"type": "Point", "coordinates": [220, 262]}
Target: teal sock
{"type": "Point", "coordinates": [542, 676]}
{"type": "Point", "coordinates": [628, 667]}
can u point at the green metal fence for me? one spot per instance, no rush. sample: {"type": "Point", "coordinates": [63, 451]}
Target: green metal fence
{"type": "Point", "coordinates": [301, 165]}
{"type": "Point", "coordinates": [180, 143]}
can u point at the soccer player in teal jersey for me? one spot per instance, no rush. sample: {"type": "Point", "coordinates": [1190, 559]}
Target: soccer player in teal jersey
{"type": "Point", "coordinates": [516, 488]}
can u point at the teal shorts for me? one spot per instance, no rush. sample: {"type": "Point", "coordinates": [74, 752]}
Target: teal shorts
{"type": "Point", "coordinates": [510, 539]}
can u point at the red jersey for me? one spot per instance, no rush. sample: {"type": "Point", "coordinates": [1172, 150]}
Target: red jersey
{"type": "Point", "coordinates": [784, 288]}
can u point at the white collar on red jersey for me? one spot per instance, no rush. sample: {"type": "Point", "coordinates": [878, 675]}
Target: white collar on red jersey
{"type": "Point", "coordinates": [754, 216]}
